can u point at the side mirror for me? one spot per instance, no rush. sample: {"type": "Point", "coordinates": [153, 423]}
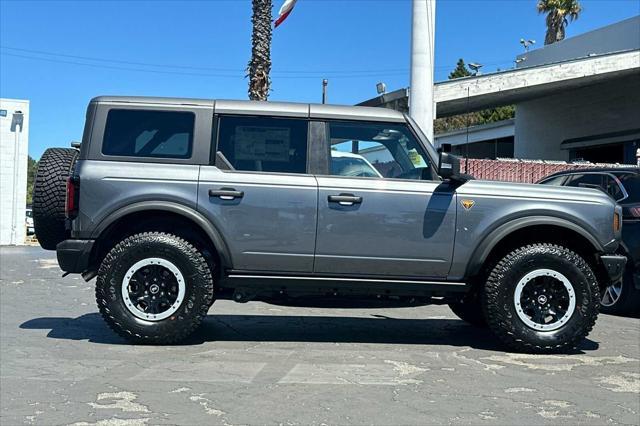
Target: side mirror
{"type": "Point", "coordinates": [449, 166]}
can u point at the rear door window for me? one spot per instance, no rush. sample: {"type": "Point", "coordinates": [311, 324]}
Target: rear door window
{"type": "Point", "coordinates": [146, 133]}
{"type": "Point", "coordinates": [264, 144]}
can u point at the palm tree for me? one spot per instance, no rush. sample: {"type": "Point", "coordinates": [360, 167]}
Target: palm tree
{"type": "Point", "coordinates": [260, 63]}
{"type": "Point", "coordinates": [559, 13]}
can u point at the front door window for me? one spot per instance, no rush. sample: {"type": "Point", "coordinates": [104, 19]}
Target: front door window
{"type": "Point", "coordinates": [376, 150]}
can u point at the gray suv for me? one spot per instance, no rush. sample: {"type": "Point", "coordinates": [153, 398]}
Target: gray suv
{"type": "Point", "coordinates": [174, 203]}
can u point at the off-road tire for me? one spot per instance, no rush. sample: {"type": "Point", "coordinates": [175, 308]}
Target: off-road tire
{"type": "Point", "coordinates": [470, 310]}
{"type": "Point", "coordinates": [500, 310]}
{"type": "Point", "coordinates": [197, 299]}
{"type": "Point", "coordinates": [49, 196]}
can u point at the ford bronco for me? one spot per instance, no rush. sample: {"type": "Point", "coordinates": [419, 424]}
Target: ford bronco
{"type": "Point", "coordinates": [174, 203]}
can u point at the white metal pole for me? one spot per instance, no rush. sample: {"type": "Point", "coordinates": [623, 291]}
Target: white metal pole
{"type": "Point", "coordinates": [421, 106]}
{"type": "Point", "coordinates": [16, 171]}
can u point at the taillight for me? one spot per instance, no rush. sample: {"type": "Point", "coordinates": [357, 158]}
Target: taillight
{"type": "Point", "coordinates": [71, 204]}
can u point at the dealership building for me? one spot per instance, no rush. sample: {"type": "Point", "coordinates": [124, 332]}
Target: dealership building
{"type": "Point", "coordinates": [14, 149]}
{"type": "Point", "coordinates": [575, 99]}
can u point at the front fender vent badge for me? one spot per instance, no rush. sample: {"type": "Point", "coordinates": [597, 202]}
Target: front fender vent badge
{"type": "Point", "coordinates": [467, 204]}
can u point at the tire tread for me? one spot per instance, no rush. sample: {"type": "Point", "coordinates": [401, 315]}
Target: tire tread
{"type": "Point", "coordinates": [184, 328]}
{"type": "Point", "coordinates": [49, 195]}
{"type": "Point", "coordinates": [498, 318]}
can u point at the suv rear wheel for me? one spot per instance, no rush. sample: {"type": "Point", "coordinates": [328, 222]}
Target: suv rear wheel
{"type": "Point", "coordinates": [154, 288]}
{"type": "Point", "coordinates": [541, 298]}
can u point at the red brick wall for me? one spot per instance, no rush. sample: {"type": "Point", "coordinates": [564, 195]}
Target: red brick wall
{"type": "Point", "coordinates": [525, 171]}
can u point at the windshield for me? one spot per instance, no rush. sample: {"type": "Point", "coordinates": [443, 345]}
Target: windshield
{"type": "Point", "coordinates": [433, 153]}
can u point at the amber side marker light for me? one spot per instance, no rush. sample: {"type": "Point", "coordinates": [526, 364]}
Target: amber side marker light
{"type": "Point", "coordinates": [616, 222]}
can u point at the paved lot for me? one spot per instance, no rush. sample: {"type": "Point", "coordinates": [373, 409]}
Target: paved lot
{"type": "Point", "coordinates": [263, 364]}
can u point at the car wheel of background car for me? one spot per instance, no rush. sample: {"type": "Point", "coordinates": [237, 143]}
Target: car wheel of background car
{"type": "Point", "coordinates": [49, 195]}
{"type": "Point", "coordinates": [154, 288]}
{"type": "Point", "coordinates": [470, 310]}
{"type": "Point", "coordinates": [541, 298]}
{"type": "Point", "coordinates": [623, 297]}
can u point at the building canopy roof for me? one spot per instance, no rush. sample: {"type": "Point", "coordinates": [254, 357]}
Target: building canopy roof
{"type": "Point", "coordinates": [604, 54]}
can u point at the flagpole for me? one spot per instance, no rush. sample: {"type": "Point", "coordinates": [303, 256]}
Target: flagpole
{"type": "Point", "coordinates": [325, 82]}
{"type": "Point", "coordinates": [421, 105]}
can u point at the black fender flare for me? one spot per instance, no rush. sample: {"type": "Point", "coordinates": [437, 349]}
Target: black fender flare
{"type": "Point", "coordinates": [491, 240]}
{"type": "Point", "coordinates": [189, 213]}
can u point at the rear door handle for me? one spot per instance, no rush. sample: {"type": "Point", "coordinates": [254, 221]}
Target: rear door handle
{"type": "Point", "coordinates": [345, 199]}
{"type": "Point", "coordinates": [226, 193]}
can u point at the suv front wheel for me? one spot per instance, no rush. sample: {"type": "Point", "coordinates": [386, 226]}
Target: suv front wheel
{"type": "Point", "coordinates": [541, 298]}
{"type": "Point", "coordinates": [154, 288]}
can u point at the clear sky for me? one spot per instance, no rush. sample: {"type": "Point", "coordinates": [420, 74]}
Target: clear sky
{"type": "Point", "coordinates": [60, 54]}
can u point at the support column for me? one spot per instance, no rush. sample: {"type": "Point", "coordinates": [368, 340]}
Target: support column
{"type": "Point", "coordinates": [421, 106]}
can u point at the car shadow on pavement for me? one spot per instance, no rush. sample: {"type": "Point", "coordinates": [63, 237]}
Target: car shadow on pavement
{"type": "Point", "coordinates": [272, 328]}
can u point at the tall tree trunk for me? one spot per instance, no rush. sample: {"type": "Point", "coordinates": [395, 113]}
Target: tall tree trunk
{"type": "Point", "coordinates": [561, 31]}
{"type": "Point", "coordinates": [260, 63]}
{"type": "Point", "coordinates": [550, 37]}
{"type": "Point", "coordinates": [555, 28]}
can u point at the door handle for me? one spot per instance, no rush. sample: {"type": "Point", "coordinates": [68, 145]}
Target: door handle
{"type": "Point", "coordinates": [345, 199]}
{"type": "Point", "coordinates": [226, 193]}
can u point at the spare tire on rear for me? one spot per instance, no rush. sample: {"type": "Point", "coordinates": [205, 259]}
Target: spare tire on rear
{"type": "Point", "coordinates": [49, 196]}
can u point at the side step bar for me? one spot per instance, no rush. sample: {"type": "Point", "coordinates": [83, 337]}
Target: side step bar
{"type": "Point", "coordinates": [338, 286]}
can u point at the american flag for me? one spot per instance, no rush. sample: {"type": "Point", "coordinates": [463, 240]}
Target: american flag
{"type": "Point", "coordinates": [285, 10]}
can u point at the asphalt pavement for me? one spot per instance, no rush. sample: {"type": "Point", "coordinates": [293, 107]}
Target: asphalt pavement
{"type": "Point", "coordinates": [263, 364]}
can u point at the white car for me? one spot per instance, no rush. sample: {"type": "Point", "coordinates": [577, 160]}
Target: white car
{"type": "Point", "coordinates": [349, 164]}
{"type": "Point", "coordinates": [29, 222]}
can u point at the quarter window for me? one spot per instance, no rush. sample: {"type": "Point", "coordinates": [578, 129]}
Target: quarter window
{"type": "Point", "coordinates": [376, 150]}
{"type": "Point", "coordinates": [141, 133]}
{"type": "Point", "coordinates": [264, 144]}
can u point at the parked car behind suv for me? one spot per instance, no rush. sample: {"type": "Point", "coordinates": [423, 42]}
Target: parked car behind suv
{"type": "Point", "coordinates": [29, 221]}
{"type": "Point", "coordinates": [623, 185]}
{"type": "Point", "coordinates": [174, 203]}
